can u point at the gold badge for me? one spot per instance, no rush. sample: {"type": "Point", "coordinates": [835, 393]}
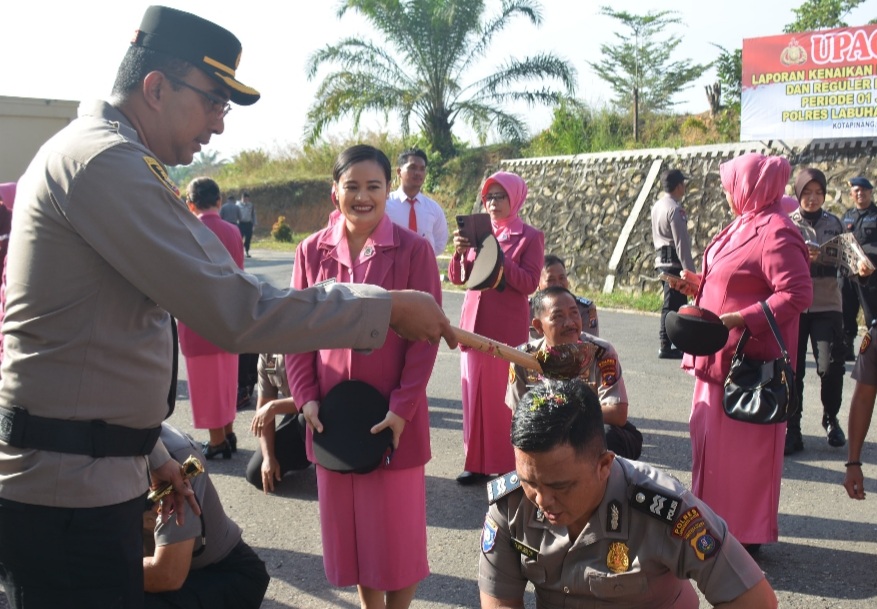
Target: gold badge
{"type": "Point", "coordinates": [617, 559]}
{"type": "Point", "coordinates": [159, 172]}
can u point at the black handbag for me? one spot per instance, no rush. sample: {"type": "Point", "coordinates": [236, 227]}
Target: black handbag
{"type": "Point", "coordinates": [757, 391]}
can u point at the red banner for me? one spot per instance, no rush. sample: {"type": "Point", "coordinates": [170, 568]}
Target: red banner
{"type": "Point", "coordinates": [810, 85]}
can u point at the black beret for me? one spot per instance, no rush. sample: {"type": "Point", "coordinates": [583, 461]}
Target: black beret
{"type": "Point", "coordinates": [861, 182]}
{"type": "Point", "coordinates": [696, 330]}
{"type": "Point", "coordinates": [200, 42]}
{"type": "Point", "coordinates": [346, 444]}
{"type": "Point", "coordinates": [487, 271]}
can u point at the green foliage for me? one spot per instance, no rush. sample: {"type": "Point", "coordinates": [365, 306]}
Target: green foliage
{"type": "Point", "coordinates": [206, 163]}
{"type": "Point", "coordinates": [416, 70]}
{"type": "Point", "coordinates": [281, 231]}
{"type": "Point", "coordinates": [576, 129]}
{"type": "Point", "coordinates": [821, 14]}
{"type": "Point", "coordinates": [729, 68]}
{"type": "Point", "coordinates": [640, 62]}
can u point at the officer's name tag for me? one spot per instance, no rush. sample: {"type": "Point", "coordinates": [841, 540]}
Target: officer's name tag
{"type": "Point", "coordinates": [524, 549]}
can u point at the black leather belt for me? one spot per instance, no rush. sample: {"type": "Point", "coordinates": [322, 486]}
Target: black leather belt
{"type": "Point", "coordinates": [94, 438]}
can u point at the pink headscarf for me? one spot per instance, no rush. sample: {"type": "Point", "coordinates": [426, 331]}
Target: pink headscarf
{"type": "Point", "coordinates": [7, 192]}
{"type": "Point", "coordinates": [516, 188]}
{"type": "Point", "coordinates": [755, 181]}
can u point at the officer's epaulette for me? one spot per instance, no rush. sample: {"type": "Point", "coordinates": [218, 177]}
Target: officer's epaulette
{"type": "Point", "coordinates": [655, 502]}
{"type": "Point", "coordinates": [583, 301]}
{"type": "Point", "coordinates": [502, 486]}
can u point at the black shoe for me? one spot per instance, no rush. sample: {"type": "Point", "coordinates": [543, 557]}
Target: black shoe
{"type": "Point", "coordinates": [671, 353]}
{"type": "Point", "coordinates": [232, 440]}
{"type": "Point", "coordinates": [223, 449]}
{"type": "Point", "coordinates": [470, 478]}
{"type": "Point", "coordinates": [752, 548]}
{"type": "Point", "coordinates": [835, 434]}
{"type": "Point", "coordinates": [794, 442]}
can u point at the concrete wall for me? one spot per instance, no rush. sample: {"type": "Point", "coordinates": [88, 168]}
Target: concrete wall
{"type": "Point", "coordinates": [25, 124]}
{"type": "Point", "coordinates": [595, 208]}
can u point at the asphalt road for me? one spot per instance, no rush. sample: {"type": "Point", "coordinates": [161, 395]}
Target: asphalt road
{"type": "Point", "coordinates": [826, 557]}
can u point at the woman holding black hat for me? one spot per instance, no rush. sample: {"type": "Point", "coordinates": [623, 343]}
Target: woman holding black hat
{"type": "Point", "coordinates": [500, 312]}
{"type": "Point", "coordinates": [760, 256]}
{"type": "Point", "coordinates": [374, 524]}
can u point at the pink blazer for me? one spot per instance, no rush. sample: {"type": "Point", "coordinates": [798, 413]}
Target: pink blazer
{"type": "Point", "coordinates": [763, 258]}
{"type": "Point", "coordinates": [504, 316]}
{"type": "Point", "coordinates": [397, 259]}
{"type": "Point", "coordinates": [191, 343]}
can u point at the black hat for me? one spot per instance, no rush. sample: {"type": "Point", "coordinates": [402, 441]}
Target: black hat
{"type": "Point", "coordinates": [861, 182]}
{"type": "Point", "coordinates": [671, 179]}
{"type": "Point", "coordinates": [696, 330]}
{"type": "Point", "coordinates": [200, 42]}
{"type": "Point", "coordinates": [487, 273]}
{"type": "Point", "coordinates": [346, 444]}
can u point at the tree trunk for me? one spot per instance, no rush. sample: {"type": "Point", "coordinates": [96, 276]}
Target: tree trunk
{"type": "Point", "coordinates": [714, 97]}
{"type": "Point", "coordinates": [635, 114]}
{"type": "Point", "coordinates": [437, 128]}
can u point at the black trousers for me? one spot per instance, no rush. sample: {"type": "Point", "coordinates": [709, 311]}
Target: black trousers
{"type": "Point", "coordinates": [626, 441]}
{"type": "Point", "coordinates": [673, 300]}
{"type": "Point", "coordinates": [238, 581]}
{"type": "Point", "coordinates": [75, 558]}
{"type": "Point", "coordinates": [246, 229]}
{"type": "Point", "coordinates": [289, 450]}
{"type": "Point", "coordinates": [824, 332]}
{"type": "Point", "coordinates": [850, 297]}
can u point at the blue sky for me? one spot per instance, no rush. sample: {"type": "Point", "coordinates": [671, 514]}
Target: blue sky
{"type": "Point", "coordinates": [71, 50]}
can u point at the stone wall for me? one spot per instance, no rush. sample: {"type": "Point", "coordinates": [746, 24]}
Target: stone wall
{"type": "Point", "coordinates": [304, 203]}
{"type": "Point", "coordinates": [595, 208]}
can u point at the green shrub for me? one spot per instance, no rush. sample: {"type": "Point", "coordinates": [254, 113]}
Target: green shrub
{"type": "Point", "coordinates": [281, 231]}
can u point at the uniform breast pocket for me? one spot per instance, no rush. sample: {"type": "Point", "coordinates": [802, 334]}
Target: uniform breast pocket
{"type": "Point", "coordinates": [606, 586]}
{"type": "Point", "coordinates": [533, 571]}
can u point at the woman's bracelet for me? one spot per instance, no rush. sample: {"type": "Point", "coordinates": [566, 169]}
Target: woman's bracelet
{"type": "Point", "coordinates": [851, 463]}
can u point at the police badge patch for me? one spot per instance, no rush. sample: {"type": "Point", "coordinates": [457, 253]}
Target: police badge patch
{"type": "Point", "coordinates": [159, 172]}
{"type": "Point", "coordinates": [488, 534]}
{"type": "Point", "coordinates": [866, 342]}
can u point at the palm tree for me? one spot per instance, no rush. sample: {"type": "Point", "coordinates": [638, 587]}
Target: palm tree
{"type": "Point", "coordinates": [435, 42]}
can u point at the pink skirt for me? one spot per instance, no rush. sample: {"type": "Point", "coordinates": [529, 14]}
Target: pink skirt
{"type": "Point", "coordinates": [736, 467]}
{"type": "Point", "coordinates": [487, 421]}
{"type": "Point", "coordinates": [213, 386]}
{"type": "Point", "coordinates": [374, 527]}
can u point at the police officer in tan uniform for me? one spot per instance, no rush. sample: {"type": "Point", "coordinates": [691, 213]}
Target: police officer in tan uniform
{"type": "Point", "coordinates": [554, 273]}
{"type": "Point", "coordinates": [557, 319]}
{"type": "Point", "coordinates": [103, 252]}
{"type": "Point", "coordinates": [590, 529]}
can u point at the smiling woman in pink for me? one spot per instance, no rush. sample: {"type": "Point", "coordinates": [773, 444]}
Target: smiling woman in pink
{"type": "Point", "coordinates": [502, 314]}
{"type": "Point", "coordinates": [760, 256]}
{"type": "Point", "coordinates": [373, 525]}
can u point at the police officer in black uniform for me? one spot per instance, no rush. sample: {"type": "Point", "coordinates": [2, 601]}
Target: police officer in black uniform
{"type": "Point", "coordinates": [861, 220]}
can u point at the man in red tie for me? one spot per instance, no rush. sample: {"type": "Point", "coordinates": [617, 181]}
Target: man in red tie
{"type": "Point", "coordinates": [410, 208]}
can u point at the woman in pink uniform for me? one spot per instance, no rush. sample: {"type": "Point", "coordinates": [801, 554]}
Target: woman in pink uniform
{"type": "Point", "coordinates": [373, 525]}
{"type": "Point", "coordinates": [212, 372]}
{"type": "Point", "coordinates": [501, 314]}
{"type": "Point", "coordinates": [736, 466]}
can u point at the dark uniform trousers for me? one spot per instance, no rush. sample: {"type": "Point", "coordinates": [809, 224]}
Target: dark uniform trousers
{"type": "Point", "coordinates": [856, 293]}
{"type": "Point", "coordinates": [825, 331]}
{"type": "Point", "coordinates": [238, 581]}
{"type": "Point", "coordinates": [72, 558]}
{"type": "Point", "coordinates": [289, 450]}
{"type": "Point", "coordinates": [673, 300]}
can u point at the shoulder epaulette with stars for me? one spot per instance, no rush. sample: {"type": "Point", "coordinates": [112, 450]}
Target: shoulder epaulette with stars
{"type": "Point", "coordinates": [502, 486]}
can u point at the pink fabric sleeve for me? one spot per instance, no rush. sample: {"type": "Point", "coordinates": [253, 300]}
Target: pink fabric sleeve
{"type": "Point", "coordinates": [524, 276]}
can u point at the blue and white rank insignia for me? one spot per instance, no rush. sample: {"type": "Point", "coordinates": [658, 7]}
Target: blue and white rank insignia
{"type": "Point", "coordinates": [488, 534]}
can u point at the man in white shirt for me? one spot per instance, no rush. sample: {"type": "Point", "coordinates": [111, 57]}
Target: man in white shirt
{"type": "Point", "coordinates": [410, 208]}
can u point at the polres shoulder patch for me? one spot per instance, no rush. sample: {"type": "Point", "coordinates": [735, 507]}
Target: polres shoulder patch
{"type": "Point", "coordinates": [656, 504]}
{"type": "Point", "coordinates": [159, 172]}
{"type": "Point", "coordinates": [866, 342]}
{"type": "Point", "coordinates": [502, 486]}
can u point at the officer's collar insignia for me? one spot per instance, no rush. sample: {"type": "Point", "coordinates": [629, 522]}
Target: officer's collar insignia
{"type": "Point", "coordinates": [502, 486]}
{"type": "Point", "coordinates": [524, 549]}
{"type": "Point", "coordinates": [617, 559]}
{"type": "Point", "coordinates": [657, 505]}
{"type": "Point", "coordinates": [488, 534]}
{"type": "Point", "coordinates": [613, 516]}
{"type": "Point", "coordinates": [159, 172]}
{"type": "Point", "coordinates": [540, 516]}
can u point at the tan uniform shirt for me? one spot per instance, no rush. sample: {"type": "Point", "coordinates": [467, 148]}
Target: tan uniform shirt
{"type": "Point", "coordinates": [603, 374]}
{"type": "Point", "coordinates": [102, 249]}
{"type": "Point", "coordinates": [670, 227]}
{"type": "Point", "coordinates": [826, 290]}
{"type": "Point", "coordinates": [646, 539]}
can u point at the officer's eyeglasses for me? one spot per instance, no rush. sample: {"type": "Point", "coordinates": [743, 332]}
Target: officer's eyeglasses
{"type": "Point", "coordinates": [217, 104]}
{"type": "Point", "coordinates": [489, 198]}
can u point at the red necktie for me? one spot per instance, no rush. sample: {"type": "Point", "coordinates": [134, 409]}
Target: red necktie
{"type": "Point", "coordinates": [412, 217]}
